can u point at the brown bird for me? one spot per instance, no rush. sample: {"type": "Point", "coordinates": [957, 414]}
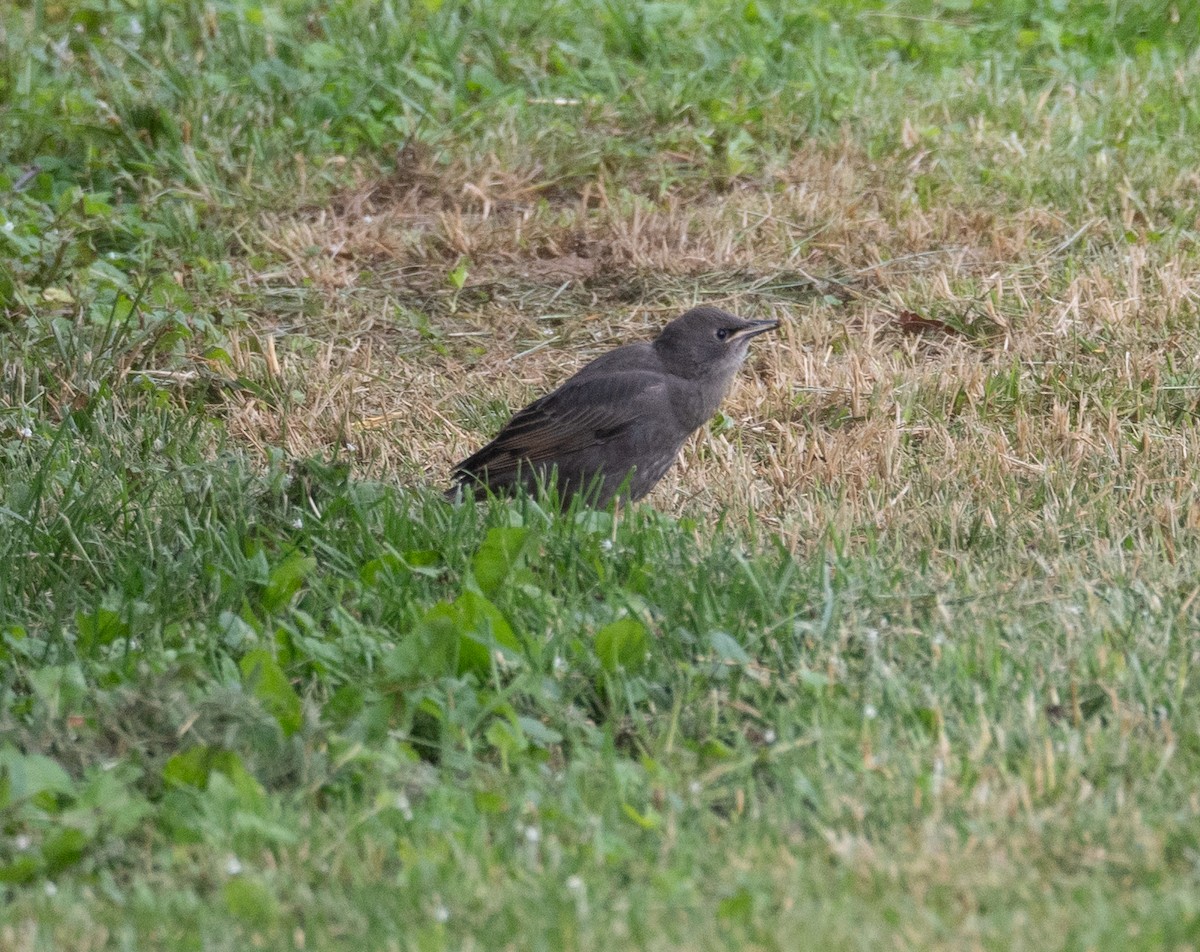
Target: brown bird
{"type": "Point", "coordinates": [616, 427]}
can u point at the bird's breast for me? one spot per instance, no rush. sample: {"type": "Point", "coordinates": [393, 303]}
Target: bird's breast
{"type": "Point", "coordinates": [695, 402]}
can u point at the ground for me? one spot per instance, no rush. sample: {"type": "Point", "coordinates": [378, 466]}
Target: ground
{"type": "Point", "coordinates": [902, 653]}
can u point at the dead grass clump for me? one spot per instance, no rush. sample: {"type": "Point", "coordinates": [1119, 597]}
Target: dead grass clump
{"type": "Point", "coordinates": [953, 365]}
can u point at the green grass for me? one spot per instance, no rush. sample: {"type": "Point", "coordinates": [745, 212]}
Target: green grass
{"type": "Point", "coordinates": [857, 744]}
{"type": "Point", "coordinates": [909, 662]}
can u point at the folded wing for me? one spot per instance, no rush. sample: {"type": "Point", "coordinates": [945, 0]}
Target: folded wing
{"type": "Point", "coordinates": [557, 429]}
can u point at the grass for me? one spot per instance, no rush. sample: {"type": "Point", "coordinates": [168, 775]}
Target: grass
{"type": "Point", "coordinates": [900, 654]}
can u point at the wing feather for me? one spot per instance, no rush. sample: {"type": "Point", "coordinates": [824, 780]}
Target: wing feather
{"type": "Point", "coordinates": [582, 413]}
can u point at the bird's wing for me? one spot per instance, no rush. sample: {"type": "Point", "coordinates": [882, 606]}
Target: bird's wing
{"type": "Point", "coordinates": [583, 412]}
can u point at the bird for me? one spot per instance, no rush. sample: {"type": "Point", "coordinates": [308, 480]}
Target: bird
{"type": "Point", "coordinates": [616, 427]}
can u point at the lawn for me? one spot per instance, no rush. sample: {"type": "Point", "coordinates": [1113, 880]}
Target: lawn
{"type": "Point", "coordinates": [904, 652]}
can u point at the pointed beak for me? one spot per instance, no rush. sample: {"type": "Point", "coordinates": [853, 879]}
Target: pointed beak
{"type": "Point", "coordinates": [754, 328]}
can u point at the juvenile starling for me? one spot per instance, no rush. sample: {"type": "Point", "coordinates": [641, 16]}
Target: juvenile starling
{"type": "Point", "coordinates": [617, 425]}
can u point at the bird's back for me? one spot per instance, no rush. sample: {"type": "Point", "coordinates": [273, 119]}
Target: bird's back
{"type": "Point", "coordinates": [640, 356]}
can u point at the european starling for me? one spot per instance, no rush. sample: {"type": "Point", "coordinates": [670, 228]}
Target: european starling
{"type": "Point", "coordinates": [617, 425]}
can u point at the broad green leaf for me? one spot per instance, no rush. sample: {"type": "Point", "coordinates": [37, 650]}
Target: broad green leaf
{"type": "Point", "coordinates": [285, 580]}
{"type": "Point", "coordinates": [23, 869]}
{"type": "Point", "coordinates": [501, 735]}
{"type": "Point", "coordinates": [738, 907]}
{"type": "Point", "coordinates": [812, 679]}
{"type": "Point", "coordinates": [60, 687]}
{"type": "Point", "coordinates": [485, 620]}
{"type": "Point", "coordinates": [499, 554]}
{"type": "Point", "coordinates": [111, 796]}
{"type": "Point", "coordinates": [594, 521]}
{"type": "Point", "coordinates": [218, 355]}
{"type": "Point", "coordinates": [95, 204]}
{"type": "Point", "coordinates": [429, 650]}
{"type": "Point", "coordinates": [64, 848]}
{"type": "Point", "coordinates": [714, 749]}
{"type": "Point", "coordinates": [321, 55]}
{"type": "Point", "coordinates": [189, 768]}
{"type": "Point", "coordinates": [622, 645]}
{"type": "Point", "coordinates": [32, 774]}
{"type": "Point", "coordinates": [196, 766]}
{"type": "Point", "coordinates": [391, 565]}
{"type": "Point", "coordinates": [488, 801]}
{"type": "Point", "coordinates": [453, 637]}
{"type": "Point", "coordinates": [726, 648]}
{"type": "Point", "coordinates": [482, 628]}
{"type": "Point", "coordinates": [102, 627]}
{"type": "Point", "coordinates": [539, 733]}
{"type": "Point", "coordinates": [458, 275]}
{"type": "Point", "coordinates": [250, 901]}
{"type": "Point", "coordinates": [388, 565]}
{"type": "Point", "coordinates": [230, 767]}
{"type": "Point", "coordinates": [424, 562]}
{"type": "Point", "coordinates": [262, 674]}
{"type": "Point", "coordinates": [649, 820]}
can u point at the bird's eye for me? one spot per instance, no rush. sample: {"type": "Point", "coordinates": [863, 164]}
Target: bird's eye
{"type": "Point", "coordinates": [722, 333]}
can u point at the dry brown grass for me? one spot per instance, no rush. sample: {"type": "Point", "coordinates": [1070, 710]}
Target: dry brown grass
{"type": "Point", "coordinates": [940, 371]}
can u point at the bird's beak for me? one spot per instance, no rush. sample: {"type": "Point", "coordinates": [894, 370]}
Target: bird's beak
{"type": "Point", "coordinates": [754, 328]}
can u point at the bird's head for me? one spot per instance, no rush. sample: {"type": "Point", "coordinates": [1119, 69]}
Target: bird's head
{"type": "Point", "coordinates": [707, 343]}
